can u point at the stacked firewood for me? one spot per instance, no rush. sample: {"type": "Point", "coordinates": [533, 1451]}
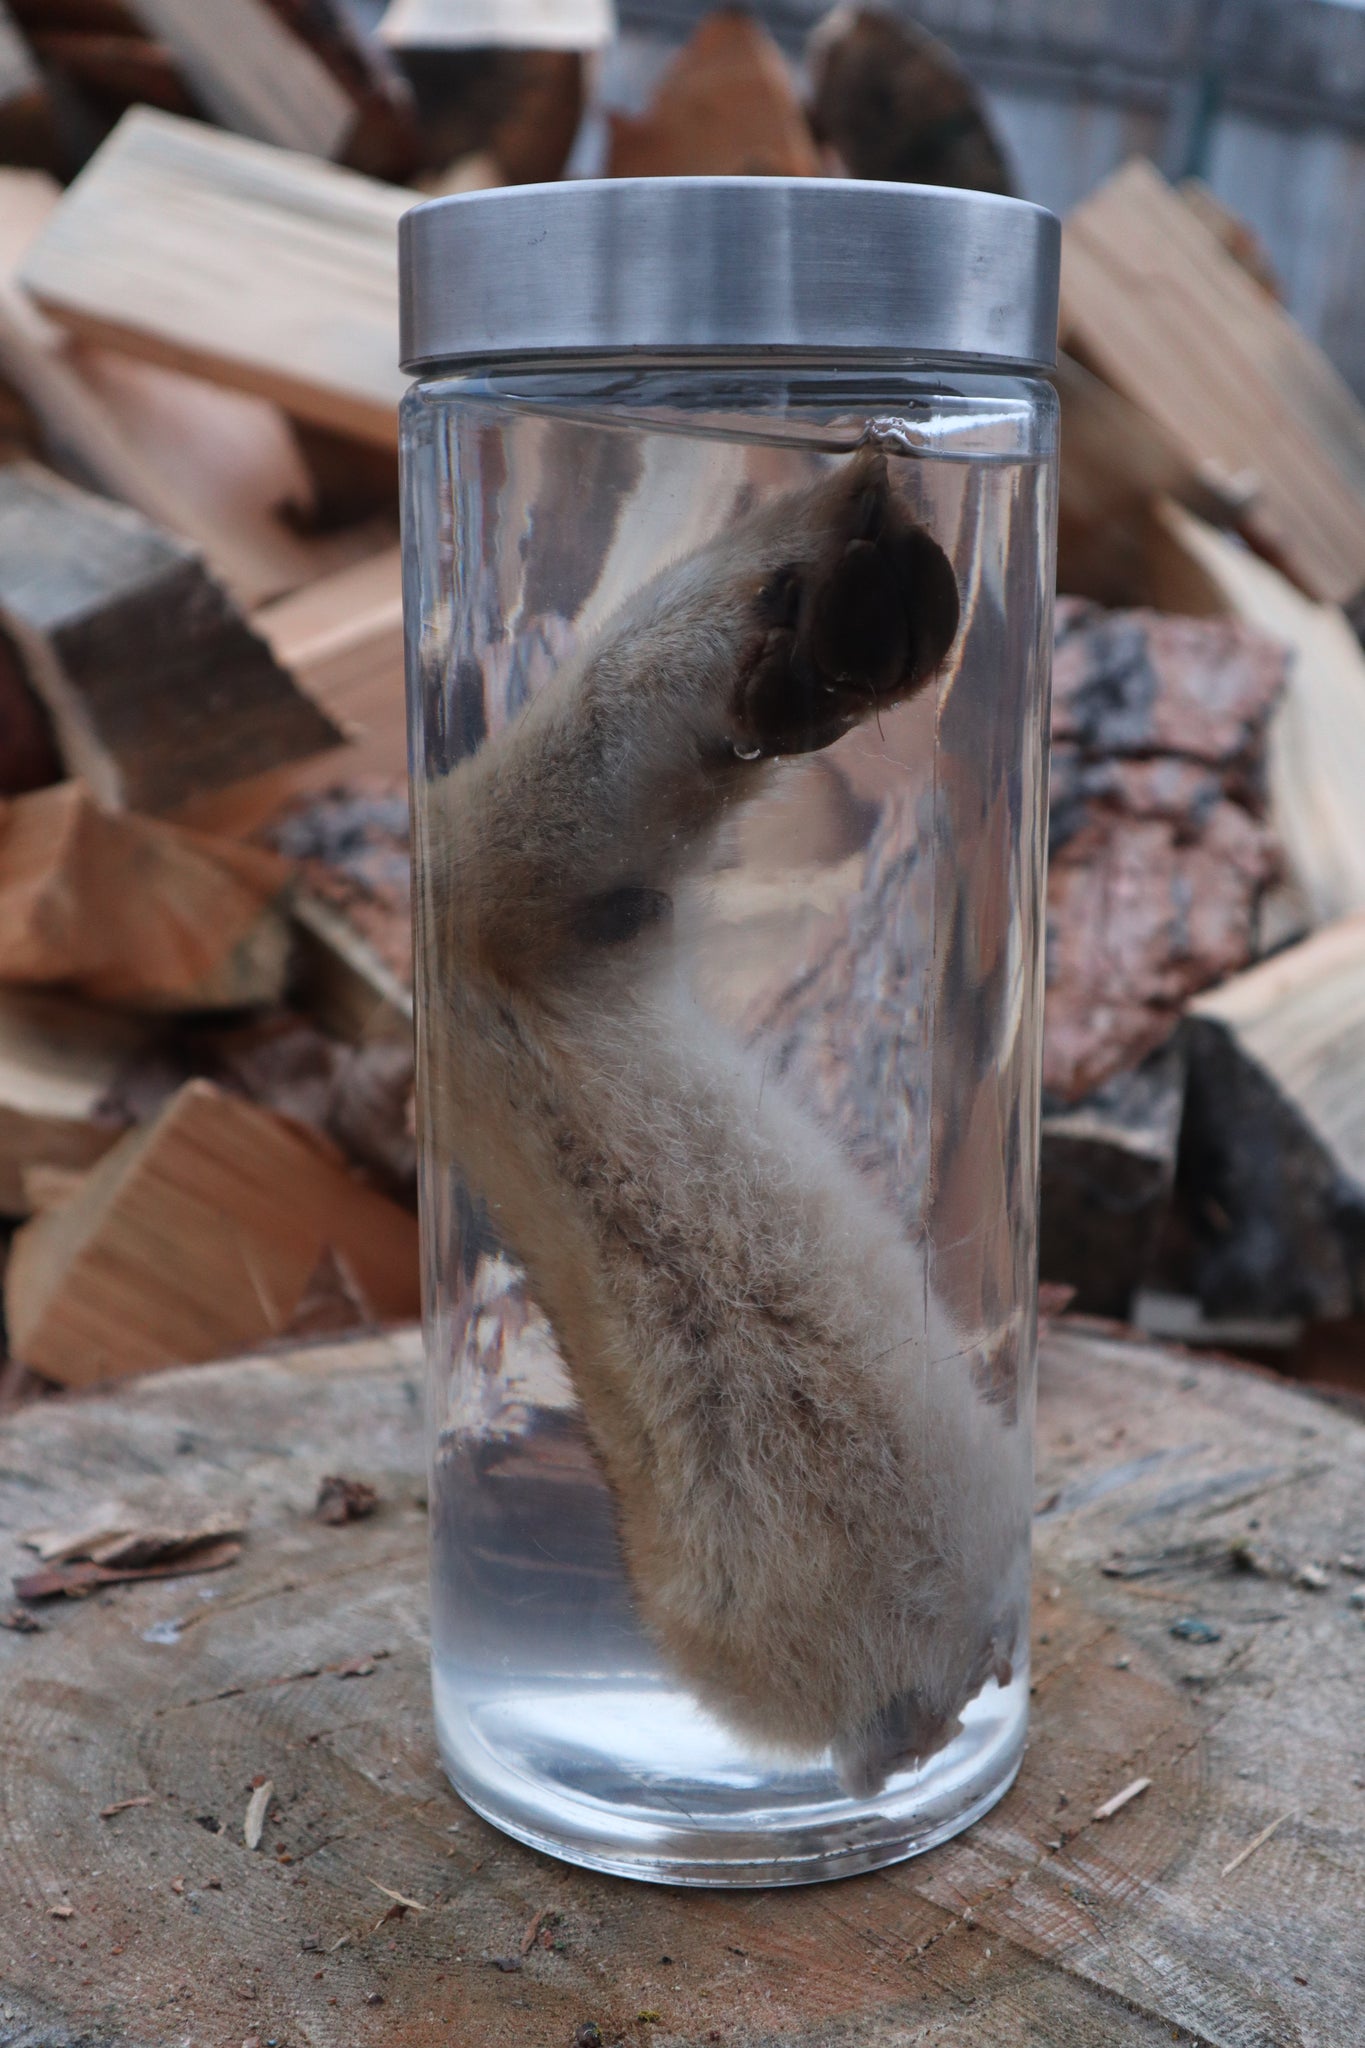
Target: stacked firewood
{"type": "Point", "coordinates": [206, 1118]}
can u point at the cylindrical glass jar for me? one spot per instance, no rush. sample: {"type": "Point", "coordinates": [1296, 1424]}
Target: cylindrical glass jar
{"type": "Point", "coordinates": [729, 512]}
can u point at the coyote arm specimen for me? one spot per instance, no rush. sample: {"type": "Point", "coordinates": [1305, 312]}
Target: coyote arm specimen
{"type": "Point", "coordinates": [822, 1528]}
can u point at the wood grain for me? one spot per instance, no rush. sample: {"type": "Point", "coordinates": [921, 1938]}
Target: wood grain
{"type": "Point", "coordinates": [263, 269]}
{"type": "Point", "coordinates": [1041, 1926]}
{"type": "Point", "coordinates": [250, 73]}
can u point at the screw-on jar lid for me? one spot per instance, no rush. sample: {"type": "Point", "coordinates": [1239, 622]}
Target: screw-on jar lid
{"type": "Point", "coordinates": [663, 265]}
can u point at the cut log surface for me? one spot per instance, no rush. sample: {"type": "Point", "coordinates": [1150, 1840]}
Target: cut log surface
{"type": "Point", "coordinates": [156, 685]}
{"type": "Point", "coordinates": [1220, 1905]}
{"type": "Point", "coordinates": [198, 1234]}
{"type": "Point", "coordinates": [256, 266]}
{"type": "Point", "coordinates": [1155, 304]}
{"type": "Point", "coordinates": [1275, 1131]}
{"type": "Point", "coordinates": [134, 912]}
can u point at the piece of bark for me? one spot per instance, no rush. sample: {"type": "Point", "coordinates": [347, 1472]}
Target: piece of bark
{"type": "Point", "coordinates": [135, 912]}
{"type": "Point", "coordinates": [1108, 1170]}
{"type": "Point", "coordinates": [255, 266]}
{"type": "Point", "coordinates": [896, 104]}
{"type": "Point", "coordinates": [725, 105]}
{"type": "Point", "coordinates": [341, 638]}
{"type": "Point", "coordinates": [1316, 745]}
{"type": "Point", "coordinates": [518, 108]}
{"type": "Point", "coordinates": [1272, 1160]}
{"type": "Point", "coordinates": [1159, 853]}
{"type": "Point", "coordinates": [75, 1581]}
{"type": "Point", "coordinates": [60, 1064]}
{"type": "Point", "coordinates": [115, 1535]}
{"type": "Point", "coordinates": [195, 1237]}
{"type": "Point", "coordinates": [156, 686]}
{"type": "Point", "coordinates": [1154, 304]}
{"type": "Point", "coordinates": [344, 1500]}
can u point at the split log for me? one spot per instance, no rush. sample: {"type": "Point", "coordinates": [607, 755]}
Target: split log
{"type": "Point", "coordinates": [726, 105]}
{"type": "Point", "coordinates": [341, 638]}
{"type": "Point", "coordinates": [895, 104]}
{"type": "Point", "coordinates": [28, 750]}
{"type": "Point", "coordinates": [1108, 1171]}
{"type": "Point", "coordinates": [60, 1064]}
{"type": "Point", "coordinates": [250, 74]}
{"type": "Point", "coordinates": [156, 686]}
{"type": "Point", "coordinates": [115, 71]}
{"type": "Point", "coordinates": [259, 268]}
{"type": "Point", "coordinates": [1158, 851]}
{"type": "Point", "coordinates": [196, 1235]}
{"type": "Point", "coordinates": [1316, 749]}
{"type": "Point", "coordinates": [1273, 1154]}
{"type": "Point", "coordinates": [133, 911]}
{"type": "Point", "coordinates": [352, 909]}
{"type": "Point", "coordinates": [1154, 303]}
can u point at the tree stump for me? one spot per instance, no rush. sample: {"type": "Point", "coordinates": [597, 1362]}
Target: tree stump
{"type": "Point", "coordinates": [1178, 1501]}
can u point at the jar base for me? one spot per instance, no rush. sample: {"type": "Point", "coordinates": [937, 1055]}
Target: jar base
{"type": "Point", "coordinates": [741, 1826]}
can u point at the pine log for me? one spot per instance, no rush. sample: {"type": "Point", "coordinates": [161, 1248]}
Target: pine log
{"type": "Point", "coordinates": [1108, 1170]}
{"type": "Point", "coordinates": [196, 1236]}
{"type": "Point", "coordinates": [1153, 302]}
{"type": "Point", "coordinates": [725, 105]}
{"type": "Point", "coordinates": [156, 686]}
{"type": "Point", "coordinates": [60, 1063]}
{"type": "Point", "coordinates": [133, 911]}
{"type": "Point", "coordinates": [1316, 760]}
{"type": "Point", "coordinates": [265, 270]}
{"type": "Point", "coordinates": [1273, 1153]}
{"type": "Point", "coordinates": [896, 104]}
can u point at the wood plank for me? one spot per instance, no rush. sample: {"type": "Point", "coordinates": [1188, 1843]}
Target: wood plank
{"type": "Point", "coordinates": [1275, 1132]}
{"type": "Point", "coordinates": [257, 267]}
{"type": "Point", "coordinates": [1120, 1932]}
{"type": "Point", "coordinates": [251, 73]}
{"type": "Point", "coordinates": [134, 911]}
{"type": "Point", "coordinates": [156, 686]}
{"type": "Point", "coordinates": [1152, 300]}
{"type": "Point", "coordinates": [249, 1200]}
{"type": "Point", "coordinates": [27, 123]}
{"type": "Point", "coordinates": [1316, 742]}
{"type": "Point", "coordinates": [59, 1063]}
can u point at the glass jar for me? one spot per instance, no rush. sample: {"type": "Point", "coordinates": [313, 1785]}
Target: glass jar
{"type": "Point", "coordinates": [729, 515]}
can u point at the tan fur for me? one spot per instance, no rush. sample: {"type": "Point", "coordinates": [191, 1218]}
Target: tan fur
{"type": "Point", "coordinates": [821, 1522]}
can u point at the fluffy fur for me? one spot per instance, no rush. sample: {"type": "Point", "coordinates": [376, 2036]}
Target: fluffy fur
{"type": "Point", "coordinates": [821, 1522]}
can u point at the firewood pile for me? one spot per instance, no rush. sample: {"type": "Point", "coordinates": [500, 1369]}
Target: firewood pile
{"type": "Point", "coordinates": [206, 1118]}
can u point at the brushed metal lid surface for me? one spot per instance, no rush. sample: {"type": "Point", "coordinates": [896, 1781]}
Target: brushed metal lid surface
{"type": "Point", "coordinates": [712, 265]}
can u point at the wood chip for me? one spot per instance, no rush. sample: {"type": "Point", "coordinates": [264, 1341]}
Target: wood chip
{"type": "Point", "coordinates": [21, 1622]}
{"type": "Point", "coordinates": [76, 1580]}
{"type": "Point", "coordinates": [528, 1940]}
{"type": "Point", "coordinates": [253, 1827]}
{"type": "Point", "coordinates": [122, 1805]}
{"type": "Point", "coordinates": [344, 1500]}
{"type": "Point", "coordinates": [61, 1912]}
{"type": "Point", "coordinates": [1256, 1842]}
{"type": "Point", "coordinates": [399, 1898]}
{"type": "Point", "coordinates": [1120, 1799]}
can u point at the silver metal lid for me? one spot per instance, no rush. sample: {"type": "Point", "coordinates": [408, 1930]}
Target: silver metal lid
{"type": "Point", "coordinates": [665, 265]}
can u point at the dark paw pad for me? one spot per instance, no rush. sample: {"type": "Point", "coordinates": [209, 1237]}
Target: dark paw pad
{"type": "Point", "coordinates": [861, 626]}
